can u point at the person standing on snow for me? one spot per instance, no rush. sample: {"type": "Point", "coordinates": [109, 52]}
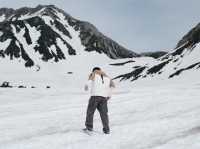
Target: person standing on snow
{"type": "Point", "coordinates": [100, 87]}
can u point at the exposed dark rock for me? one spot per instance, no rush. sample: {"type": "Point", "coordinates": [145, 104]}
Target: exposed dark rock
{"type": "Point", "coordinates": [62, 28]}
{"type": "Point", "coordinates": [27, 36]}
{"type": "Point", "coordinates": [96, 41]}
{"type": "Point", "coordinates": [29, 62]}
{"type": "Point", "coordinates": [121, 64]}
{"type": "Point", "coordinates": [21, 86]}
{"type": "Point", "coordinates": [2, 53]}
{"type": "Point", "coordinates": [134, 75]}
{"type": "Point", "coordinates": [13, 50]}
{"type": "Point", "coordinates": [175, 60]}
{"type": "Point", "coordinates": [48, 38]}
{"type": "Point", "coordinates": [180, 50]}
{"type": "Point", "coordinates": [178, 72]}
{"type": "Point", "coordinates": [156, 54]}
{"type": "Point", "coordinates": [192, 37]}
{"type": "Point", "coordinates": [6, 11]}
{"type": "Point", "coordinates": [135, 67]}
{"type": "Point", "coordinates": [6, 85]}
{"type": "Point", "coordinates": [157, 68]}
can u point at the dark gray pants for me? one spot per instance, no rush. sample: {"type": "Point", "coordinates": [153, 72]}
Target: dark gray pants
{"type": "Point", "coordinates": [99, 103]}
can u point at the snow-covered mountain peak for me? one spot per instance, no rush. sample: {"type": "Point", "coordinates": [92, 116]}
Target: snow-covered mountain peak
{"type": "Point", "coordinates": [10, 14]}
{"type": "Point", "coordinates": [50, 41]}
{"type": "Point", "coordinates": [53, 34]}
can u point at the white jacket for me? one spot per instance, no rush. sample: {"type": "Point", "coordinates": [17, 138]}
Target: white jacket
{"type": "Point", "coordinates": [99, 87]}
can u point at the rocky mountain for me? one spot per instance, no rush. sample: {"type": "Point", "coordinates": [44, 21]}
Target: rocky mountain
{"type": "Point", "coordinates": [185, 58]}
{"type": "Point", "coordinates": [155, 54]}
{"type": "Point", "coordinates": [62, 50]}
{"type": "Point", "coordinates": [51, 34]}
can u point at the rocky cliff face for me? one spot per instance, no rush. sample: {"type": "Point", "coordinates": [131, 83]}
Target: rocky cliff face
{"type": "Point", "coordinates": [156, 54]}
{"type": "Point", "coordinates": [192, 37]}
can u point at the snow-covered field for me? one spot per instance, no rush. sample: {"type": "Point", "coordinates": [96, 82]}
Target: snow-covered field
{"type": "Point", "coordinates": [142, 116]}
{"type": "Point", "coordinates": [152, 113]}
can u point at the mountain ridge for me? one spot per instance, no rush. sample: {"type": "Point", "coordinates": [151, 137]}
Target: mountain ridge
{"type": "Point", "coordinates": [47, 19]}
{"type": "Point", "coordinates": [184, 58]}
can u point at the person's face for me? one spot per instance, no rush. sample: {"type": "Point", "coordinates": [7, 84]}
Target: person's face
{"type": "Point", "coordinates": [97, 71]}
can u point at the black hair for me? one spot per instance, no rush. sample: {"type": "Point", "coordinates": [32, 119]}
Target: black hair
{"type": "Point", "coordinates": [96, 68]}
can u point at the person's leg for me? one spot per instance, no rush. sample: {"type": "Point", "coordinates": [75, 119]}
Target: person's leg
{"type": "Point", "coordinates": [90, 113]}
{"type": "Point", "coordinates": [103, 110]}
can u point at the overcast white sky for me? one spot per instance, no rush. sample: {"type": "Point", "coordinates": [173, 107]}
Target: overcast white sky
{"type": "Point", "coordinates": [139, 25]}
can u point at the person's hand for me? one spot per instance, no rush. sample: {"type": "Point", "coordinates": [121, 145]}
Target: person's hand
{"type": "Point", "coordinates": [103, 73]}
{"type": "Point", "coordinates": [91, 76]}
{"type": "Point", "coordinates": [108, 98]}
{"type": "Point", "coordinates": [86, 88]}
{"type": "Point", "coordinates": [112, 84]}
{"type": "Point", "coordinates": [96, 72]}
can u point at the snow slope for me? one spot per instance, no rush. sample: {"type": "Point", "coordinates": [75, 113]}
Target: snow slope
{"type": "Point", "coordinates": [177, 62]}
{"type": "Point", "coordinates": [146, 115]}
{"type": "Point", "coordinates": [152, 113]}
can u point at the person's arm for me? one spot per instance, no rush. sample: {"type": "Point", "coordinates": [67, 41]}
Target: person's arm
{"type": "Point", "coordinates": [88, 83]}
{"type": "Point", "coordinates": [112, 84]}
{"type": "Point", "coordinates": [91, 76]}
{"type": "Point", "coordinates": [104, 74]}
{"type": "Point", "coordinates": [86, 87]}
